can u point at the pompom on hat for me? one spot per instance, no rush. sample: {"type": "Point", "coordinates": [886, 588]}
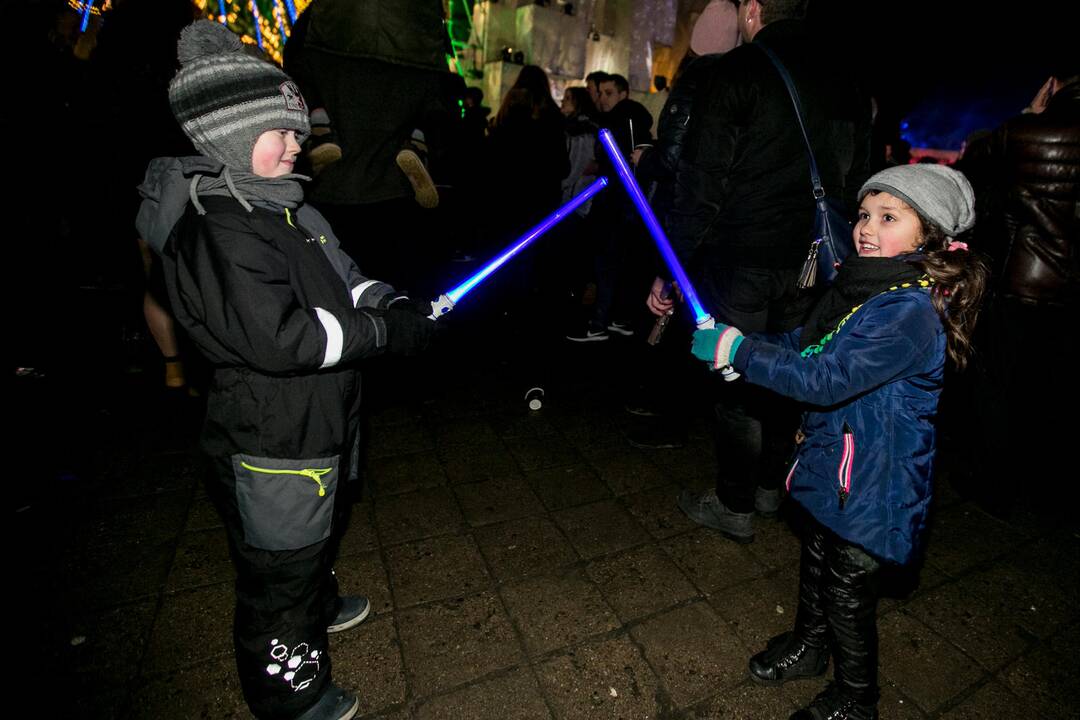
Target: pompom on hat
{"type": "Point", "coordinates": [938, 193]}
{"type": "Point", "coordinates": [224, 98]}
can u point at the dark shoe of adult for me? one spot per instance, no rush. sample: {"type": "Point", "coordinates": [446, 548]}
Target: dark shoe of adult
{"type": "Point", "coordinates": [767, 502]}
{"type": "Point", "coordinates": [834, 704]}
{"type": "Point", "coordinates": [335, 704]}
{"type": "Point", "coordinates": [354, 609]}
{"type": "Point", "coordinates": [588, 333]}
{"type": "Point", "coordinates": [787, 658]}
{"type": "Point", "coordinates": [707, 509]}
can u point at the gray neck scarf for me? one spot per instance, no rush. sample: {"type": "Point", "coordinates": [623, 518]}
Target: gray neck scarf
{"type": "Point", "coordinates": [279, 192]}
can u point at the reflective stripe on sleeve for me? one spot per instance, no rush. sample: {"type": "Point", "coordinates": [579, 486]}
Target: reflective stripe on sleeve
{"type": "Point", "coordinates": [359, 290]}
{"type": "Point", "coordinates": [335, 337]}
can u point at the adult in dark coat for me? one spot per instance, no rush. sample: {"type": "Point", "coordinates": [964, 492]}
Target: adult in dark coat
{"type": "Point", "coordinates": [379, 69]}
{"type": "Point", "coordinates": [743, 209]}
{"type": "Point", "coordinates": [1031, 229]}
{"type": "Point", "coordinates": [525, 161]}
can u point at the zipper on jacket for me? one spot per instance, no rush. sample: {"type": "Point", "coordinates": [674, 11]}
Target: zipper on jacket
{"type": "Point", "coordinates": [791, 474]}
{"type": "Point", "coordinates": [846, 460]}
{"type": "Point", "coordinates": [312, 473]}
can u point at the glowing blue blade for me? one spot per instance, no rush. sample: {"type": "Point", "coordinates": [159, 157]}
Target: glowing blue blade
{"type": "Point", "coordinates": [551, 221]}
{"type": "Point", "coordinates": [628, 181]}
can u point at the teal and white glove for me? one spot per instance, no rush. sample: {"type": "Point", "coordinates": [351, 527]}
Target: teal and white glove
{"type": "Point", "coordinates": [717, 345]}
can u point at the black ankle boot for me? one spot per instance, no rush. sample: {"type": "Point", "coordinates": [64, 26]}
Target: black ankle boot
{"type": "Point", "coordinates": [833, 704]}
{"type": "Point", "coordinates": [802, 653]}
{"type": "Point", "coordinates": [787, 658]}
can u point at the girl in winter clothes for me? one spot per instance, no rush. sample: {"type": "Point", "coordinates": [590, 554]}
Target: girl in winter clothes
{"type": "Point", "coordinates": [258, 280]}
{"type": "Point", "coordinates": [870, 363]}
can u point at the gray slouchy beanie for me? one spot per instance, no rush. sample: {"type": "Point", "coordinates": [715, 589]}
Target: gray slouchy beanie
{"type": "Point", "coordinates": [938, 193]}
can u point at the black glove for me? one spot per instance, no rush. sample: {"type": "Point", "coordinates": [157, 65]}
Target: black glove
{"type": "Point", "coordinates": [420, 307]}
{"type": "Point", "coordinates": [408, 332]}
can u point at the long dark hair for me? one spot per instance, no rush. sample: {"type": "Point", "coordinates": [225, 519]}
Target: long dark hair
{"type": "Point", "coordinates": [535, 80]}
{"type": "Point", "coordinates": [960, 279]}
{"type": "Point", "coordinates": [583, 104]}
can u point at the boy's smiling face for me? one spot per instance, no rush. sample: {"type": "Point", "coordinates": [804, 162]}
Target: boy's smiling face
{"type": "Point", "coordinates": [887, 226]}
{"type": "Point", "coordinates": [275, 153]}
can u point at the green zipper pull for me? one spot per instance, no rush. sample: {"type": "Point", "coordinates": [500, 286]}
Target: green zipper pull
{"type": "Point", "coordinates": [313, 473]}
{"type": "Point", "coordinates": [316, 475]}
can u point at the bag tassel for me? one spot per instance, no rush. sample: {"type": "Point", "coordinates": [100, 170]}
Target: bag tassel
{"type": "Point", "coordinates": [808, 276]}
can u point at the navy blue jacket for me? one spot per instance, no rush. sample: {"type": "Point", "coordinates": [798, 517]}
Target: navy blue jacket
{"type": "Point", "coordinates": [864, 469]}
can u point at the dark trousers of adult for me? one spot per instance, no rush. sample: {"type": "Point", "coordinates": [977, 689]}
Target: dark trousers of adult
{"type": "Point", "coordinates": [1023, 375]}
{"type": "Point", "coordinates": [623, 264]}
{"type": "Point", "coordinates": [838, 609]}
{"type": "Point", "coordinates": [755, 427]}
{"type": "Point", "coordinates": [285, 600]}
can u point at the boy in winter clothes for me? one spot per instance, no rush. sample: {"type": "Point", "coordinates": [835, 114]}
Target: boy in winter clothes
{"type": "Point", "coordinates": [258, 280]}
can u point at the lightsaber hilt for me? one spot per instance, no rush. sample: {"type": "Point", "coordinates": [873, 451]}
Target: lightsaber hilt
{"type": "Point", "coordinates": [661, 322]}
{"type": "Point", "coordinates": [441, 306]}
{"type": "Point", "coordinates": [659, 327]}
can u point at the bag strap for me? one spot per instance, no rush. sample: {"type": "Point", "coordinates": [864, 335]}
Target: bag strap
{"type": "Point", "coordinates": [815, 176]}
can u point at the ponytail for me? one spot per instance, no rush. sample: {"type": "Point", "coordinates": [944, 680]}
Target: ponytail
{"type": "Point", "coordinates": [960, 279]}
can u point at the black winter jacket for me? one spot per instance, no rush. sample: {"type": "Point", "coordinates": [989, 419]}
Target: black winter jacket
{"type": "Point", "coordinates": [658, 165]}
{"type": "Point", "coordinates": [743, 182]}
{"type": "Point", "coordinates": [282, 328]}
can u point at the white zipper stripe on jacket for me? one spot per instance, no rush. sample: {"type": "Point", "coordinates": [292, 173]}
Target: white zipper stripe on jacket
{"type": "Point", "coordinates": [335, 337]}
{"type": "Point", "coordinates": [844, 473]}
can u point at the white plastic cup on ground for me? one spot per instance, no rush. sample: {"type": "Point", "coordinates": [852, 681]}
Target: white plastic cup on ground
{"type": "Point", "coordinates": [535, 398]}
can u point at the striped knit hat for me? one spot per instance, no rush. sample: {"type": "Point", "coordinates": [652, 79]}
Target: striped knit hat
{"type": "Point", "coordinates": [224, 98]}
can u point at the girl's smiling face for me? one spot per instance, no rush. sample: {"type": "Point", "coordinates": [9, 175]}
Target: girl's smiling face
{"type": "Point", "coordinates": [887, 226]}
{"type": "Point", "coordinates": [275, 153]}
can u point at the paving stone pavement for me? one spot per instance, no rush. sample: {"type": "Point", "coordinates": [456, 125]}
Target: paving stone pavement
{"type": "Point", "coordinates": [520, 565]}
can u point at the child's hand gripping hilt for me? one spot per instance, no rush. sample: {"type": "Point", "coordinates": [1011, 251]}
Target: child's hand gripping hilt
{"type": "Point", "coordinates": [729, 373]}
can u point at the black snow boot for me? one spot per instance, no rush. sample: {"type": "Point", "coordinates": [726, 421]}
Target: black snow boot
{"type": "Point", "coordinates": [803, 652]}
{"type": "Point", "coordinates": [833, 704]}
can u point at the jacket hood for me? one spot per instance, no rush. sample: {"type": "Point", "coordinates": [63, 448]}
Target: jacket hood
{"type": "Point", "coordinates": [165, 191]}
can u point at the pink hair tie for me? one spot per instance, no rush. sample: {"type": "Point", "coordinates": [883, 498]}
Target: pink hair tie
{"type": "Point", "coordinates": [957, 245]}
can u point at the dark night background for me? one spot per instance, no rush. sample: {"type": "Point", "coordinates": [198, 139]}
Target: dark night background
{"type": "Point", "coordinates": [949, 68]}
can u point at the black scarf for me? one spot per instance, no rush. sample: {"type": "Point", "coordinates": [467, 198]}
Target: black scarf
{"type": "Point", "coordinates": [859, 279]}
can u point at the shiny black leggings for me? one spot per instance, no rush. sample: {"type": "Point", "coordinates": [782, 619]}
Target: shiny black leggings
{"type": "Point", "coordinates": [838, 609]}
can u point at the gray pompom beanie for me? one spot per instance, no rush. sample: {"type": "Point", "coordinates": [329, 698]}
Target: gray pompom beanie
{"type": "Point", "coordinates": [938, 193]}
{"type": "Point", "coordinates": [224, 98]}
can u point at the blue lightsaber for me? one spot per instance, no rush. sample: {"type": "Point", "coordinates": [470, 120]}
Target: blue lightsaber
{"type": "Point", "coordinates": [703, 319]}
{"type": "Point", "coordinates": [446, 302]}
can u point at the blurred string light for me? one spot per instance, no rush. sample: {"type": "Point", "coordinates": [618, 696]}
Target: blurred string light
{"type": "Point", "coordinates": [279, 14]}
{"type": "Point", "coordinates": [267, 24]}
{"type": "Point", "coordinates": [86, 9]}
{"type": "Point", "coordinates": [258, 20]}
